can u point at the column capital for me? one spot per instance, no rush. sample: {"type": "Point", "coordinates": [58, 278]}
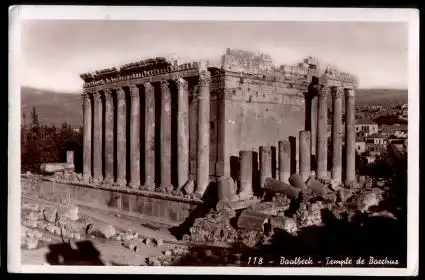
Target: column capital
{"type": "Point", "coordinates": [165, 85]}
{"type": "Point", "coordinates": [148, 86]}
{"type": "Point", "coordinates": [120, 93]}
{"type": "Point", "coordinates": [134, 91]}
{"type": "Point", "coordinates": [349, 92]}
{"type": "Point", "coordinates": [337, 92]}
{"type": "Point", "coordinates": [86, 97]}
{"type": "Point", "coordinates": [181, 82]}
{"type": "Point", "coordinates": [97, 97]}
{"type": "Point", "coordinates": [204, 78]}
{"type": "Point", "coordinates": [324, 91]}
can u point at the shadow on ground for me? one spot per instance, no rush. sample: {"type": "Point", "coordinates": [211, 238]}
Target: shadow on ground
{"type": "Point", "coordinates": [84, 254]}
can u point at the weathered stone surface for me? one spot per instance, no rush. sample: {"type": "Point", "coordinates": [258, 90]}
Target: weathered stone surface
{"type": "Point", "coordinates": [189, 187]}
{"type": "Point", "coordinates": [50, 214]}
{"type": "Point", "coordinates": [252, 220]}
{"type": "Point", "coordinates": [106, 231]}
{"type": "Point", "coordinates": [273, 185]}
{"type": "Point", "coordinates": [34, 216]}
{"type": "Point", "coordinates": [309, 214]}
{"type": "Point", "coordinates": [69, 212]}
{"type": "Point", "coordinates": [226, 188]}
{"type": "Point", "coordinates": [56, 167]}
{"type": "Point", "coordinates": [316, 187]}
{"type": "Point", "coordinates": [284, 223]}
{"type": "Point", "coordinates": [297, 181]}
{"type": "Point", "coordinates": [214, 228]}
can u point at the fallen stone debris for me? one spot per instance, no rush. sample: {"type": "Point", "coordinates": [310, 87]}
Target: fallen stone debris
{"type": "Point", "coordinates": [290, 208]}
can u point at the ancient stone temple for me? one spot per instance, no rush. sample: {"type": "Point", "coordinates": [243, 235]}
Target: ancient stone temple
{"type": "Point", "coordinates": [159, 123]}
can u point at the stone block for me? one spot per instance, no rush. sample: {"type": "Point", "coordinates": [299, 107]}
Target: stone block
{"type": "Point", "coordinates": [297, 181]}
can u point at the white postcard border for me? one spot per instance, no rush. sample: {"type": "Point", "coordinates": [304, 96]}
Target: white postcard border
{"type": "Point", "coordinates": [19, 13]}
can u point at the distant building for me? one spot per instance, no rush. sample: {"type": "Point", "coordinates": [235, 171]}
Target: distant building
{"type": "Point", "coordinates": [360, 146]}
{"type": "Point", "coordinates": [397, 130]}
{"type": "Point", "coordinates": [376, 139]}
{"type": "Point", "coordinates": [365, 127]}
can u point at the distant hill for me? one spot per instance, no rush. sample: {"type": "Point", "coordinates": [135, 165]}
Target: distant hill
{"type": "Point", "coordinates": [381, 96]}
{"type": "Point", "coordinates": [54, 108]}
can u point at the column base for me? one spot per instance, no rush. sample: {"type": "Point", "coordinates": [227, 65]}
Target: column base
{"type": "Point", "coordinates": [121, 182]}
{"type": "Point", "coordinates": [108, 181]}
{"type": "Point", "coordinates": [87, 179]}
{"type": "Point", "coordinates": [97, 180]}
{"type": "Point", "coordinates": [166, 188]}
{"type": "Point", "coordinates": [245, 195]}
{"type": "Point", "coordinates": [351, 184]}
{"type": "Point", "coordinates": [148, 186]}
{"type": "Point", "coordinates": [134, 185]}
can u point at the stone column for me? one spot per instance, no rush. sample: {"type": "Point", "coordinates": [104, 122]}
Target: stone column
{"type": "Point", "coordinates": [313, 125]}
{"type": "Point", "coordinates": [87, 152]}
{"type": "Point", "coordinates": [121, 137]}
{"type": "Point", "coordinates": [336, 171]}
{"type": "Point", "coordinates": [308, 112]}
{"type": "Point", "coordinates": [284, 161]}
{"type": "Point", "coordinates": [322, 139]}
{"type": "Point", "coordinates": [109, 137]}
{"type": "Point", "coordinates": [182, 132]}
{"type": "Point", "coordinates": [97, 138]}
{"type": "Point", "coordinates": [149, 160]}
{"type": "Point", "coordinates": [350, 137]}
{"type": "Point", "coordinates": [265, 164]}
{"type": "Point", "coordinates": [203, 145]}
{"type": "Point", "coordinates": [245, 173]}
{"type": "Point", "coordinates": [165, 141]}
{"type": "Point", "coordinates": [305, 147]}
{"type": "Point", "coordinates": [134, 138]}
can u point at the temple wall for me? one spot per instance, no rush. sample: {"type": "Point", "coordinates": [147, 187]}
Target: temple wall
{"type": "Point", "coordinates": [259, 113]}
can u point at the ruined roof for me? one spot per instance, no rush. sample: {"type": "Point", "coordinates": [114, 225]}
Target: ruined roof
{"type": "Point", "coordinates": [394, 127]}
{"type": "Point", "coordinates": [365, 121]}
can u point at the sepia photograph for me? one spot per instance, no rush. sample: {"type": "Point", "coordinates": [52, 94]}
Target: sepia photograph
{"type": "Point", "coordinates": [157, 139]}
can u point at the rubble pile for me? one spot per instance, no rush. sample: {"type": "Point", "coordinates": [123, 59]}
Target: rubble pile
{"type": "Point", "coordinates": [167, 257]}
{"type": "Point", "coordinates": [33, 239]}
{"type": "Point", "coordinates": [60, 220]}
{"type": "Point", "coordinates": [309, 214]}
{"type": "Point", "coordinates": [214, 228]}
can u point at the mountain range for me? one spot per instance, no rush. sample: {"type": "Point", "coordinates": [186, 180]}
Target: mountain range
{"type": "Point", "coordinates": [54, 108]}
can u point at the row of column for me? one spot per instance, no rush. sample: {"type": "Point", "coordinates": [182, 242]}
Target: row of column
{"type": "Point", "coordinates": [318, 133]}
{"type": "Point", "coordinates": [92, 166]}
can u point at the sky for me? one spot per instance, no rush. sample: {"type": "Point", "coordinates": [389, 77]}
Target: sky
{"type": "Point", "coordinates": [55, 52]}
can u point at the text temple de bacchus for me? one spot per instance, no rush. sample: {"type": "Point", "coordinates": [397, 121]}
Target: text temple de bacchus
{"type": "Point", "coordinates": [159, 123]}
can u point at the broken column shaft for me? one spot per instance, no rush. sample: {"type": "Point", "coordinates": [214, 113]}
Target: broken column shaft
{"type": "Point", "coordinates": [304, 152]}
{"type": "Point", "coordinates": [246, 172]}
{"type": "Point", "coordinates": [284, 161]}
{"type": "Point", "coordinates": [336, 170]}
{"type": "Point", "coordinates": [134, 138]}
{"type": "Point", "coordinates": [87, 169]}
{"type": "Point", "coordinates": [322, 139]}
{"type": "Point", "coordinates": [265, 164]}
{"type": "Point", "coordinates": [203, 145]}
